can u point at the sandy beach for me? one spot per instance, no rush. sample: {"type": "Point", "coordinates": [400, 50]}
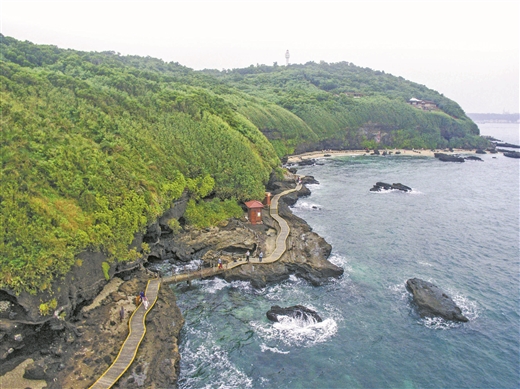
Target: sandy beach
{"type": "Point", "coordinates": [338, 153]}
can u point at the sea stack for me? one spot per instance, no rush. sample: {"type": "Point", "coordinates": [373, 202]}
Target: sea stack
{"type": "Point", "coordinates": [432, 301]}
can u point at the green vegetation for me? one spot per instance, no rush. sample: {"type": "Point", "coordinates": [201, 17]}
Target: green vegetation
{"type": "Point", "coordinates": [345, 106]}
{"type": "Point", "coordinates": [106, 267]}
{"type": "Point", "coordinates": [95, 146]}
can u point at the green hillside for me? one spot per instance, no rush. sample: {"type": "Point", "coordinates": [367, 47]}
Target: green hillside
{"type": "Point", "coordinates": [347, 106]}
{"type": "Point", "coordinates": [95, 146]}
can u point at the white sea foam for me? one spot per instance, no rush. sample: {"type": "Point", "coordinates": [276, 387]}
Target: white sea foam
{"type": "Point", "coordinates": [295, 332]}
{"type": "Point", "coordinates": [264, 348]}
{"type": "Point", "coordinates": [204, 361]}
{"type": "Point", "coordinates": [469, 309]}
{"type": "Point", "coordinates": [400, 290]}
{"type": "Point", "coordinates": [214, 285]}
{"type": "Point", "coordinates": [305, 205]}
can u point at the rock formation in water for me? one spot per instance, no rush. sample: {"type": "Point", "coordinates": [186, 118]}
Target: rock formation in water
{"type": "Point", "coordinates": [432, 301]}
{"type": "Point", "coordinates": [512, 154]}
{"type": "Point", "coordinates": [379, 186]}
{"type": "Point", "coordinates": [79, 339]}
{"type": "Point", "coordinates": [296, 312]}
{"type": "Point", "coordinates": [448, 158]}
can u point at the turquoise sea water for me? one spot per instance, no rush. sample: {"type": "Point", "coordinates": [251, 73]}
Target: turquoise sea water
{"type": "Point", "coordinates": [458, 228]}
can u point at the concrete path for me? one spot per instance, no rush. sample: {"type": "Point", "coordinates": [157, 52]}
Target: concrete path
{"type": "Point", "coordinates": [129, 349]}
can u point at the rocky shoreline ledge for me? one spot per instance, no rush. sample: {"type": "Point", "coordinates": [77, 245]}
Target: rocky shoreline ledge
{"type": "Point", "coordinates": [74, 350]}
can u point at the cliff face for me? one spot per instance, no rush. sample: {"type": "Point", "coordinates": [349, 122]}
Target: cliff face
{"type": "Point", "coordinates": [74, 352]}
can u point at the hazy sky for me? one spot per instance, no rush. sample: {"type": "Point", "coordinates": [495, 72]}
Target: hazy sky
{"type": "Point", "coordinates": [467, 50]}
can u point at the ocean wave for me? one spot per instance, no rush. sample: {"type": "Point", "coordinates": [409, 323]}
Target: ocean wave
{"type": "Point", "coordinates": [203, 362]}
{"type": "Point", "coordinates": [305, 206]}
{"type": "Point", "coordinates": [295, 332]}
{"type": "Point", "coordinates": [400, 290]}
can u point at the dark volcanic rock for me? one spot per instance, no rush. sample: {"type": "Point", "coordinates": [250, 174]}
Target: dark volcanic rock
{"type": "Point", "coordinates": [512, 154]}
{"type": "Point", "coordinates": [306, 162]}
{"type": "Point", "coordinates": [432, 301]}
{"type": "Point", "coordinates": [296, 311]}
{"type": "Point", "coordinates": [473, 158]}
{"type": "Point", "coordinates": [480, 151]}
{"type": "Point", "coordinates": [383, 185]}
{"type": "Point", "coordinates": [448, 158]}
{"type": "Point", "coordinates": [510, 145]}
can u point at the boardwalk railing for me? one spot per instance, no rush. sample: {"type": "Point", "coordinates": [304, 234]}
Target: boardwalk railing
{"type": "Point", "coordinates": [136, 334]}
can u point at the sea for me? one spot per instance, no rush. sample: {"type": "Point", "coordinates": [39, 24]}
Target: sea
{"type": "Point", "coordinates": [458, 228]}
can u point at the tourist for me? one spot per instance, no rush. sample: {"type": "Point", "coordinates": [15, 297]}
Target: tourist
{"type": "Point", "coordinates": [247, 255]}
{"type": "Point", "coordinates": [121, 314]}
{"type": "Point", "coordinates": [145, 302]}
{"type": "Point", "coordinates": [220, 263]}
{"type": "Point", "coordinates": [260, 256]}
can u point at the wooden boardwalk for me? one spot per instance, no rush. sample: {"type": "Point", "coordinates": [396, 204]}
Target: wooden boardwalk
{"type": "Point", "coordinates": [280, 248]}
{"type": "Point", "coordinates": [137, 321]}
{"type": "Point", "coordinates": [129, 349]}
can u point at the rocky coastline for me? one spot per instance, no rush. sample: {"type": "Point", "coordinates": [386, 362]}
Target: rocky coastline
{"type": "Point", "coordinates": [73, 345]}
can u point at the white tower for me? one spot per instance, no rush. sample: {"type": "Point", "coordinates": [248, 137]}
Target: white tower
{"type": "Point", "coordinates": [287, 55]}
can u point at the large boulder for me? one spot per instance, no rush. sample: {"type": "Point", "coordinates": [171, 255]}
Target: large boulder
{"type": "Point", "coordinates": [448, 158]}
{"type": "Point", "coordinates": [379, 186]}
{"type": "Point", "coordinates": [433, 302]}
{"type": "Point", "coordinates": [296, 312]}
{"type": "Point", "coordinates": [512, 154]}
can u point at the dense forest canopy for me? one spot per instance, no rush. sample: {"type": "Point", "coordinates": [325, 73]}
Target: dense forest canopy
{"type": "Point", "coordinates": [95, 146]}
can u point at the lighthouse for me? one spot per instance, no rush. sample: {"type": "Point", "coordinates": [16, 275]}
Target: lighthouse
{"type": "Point", "coordinates": [287, 55]}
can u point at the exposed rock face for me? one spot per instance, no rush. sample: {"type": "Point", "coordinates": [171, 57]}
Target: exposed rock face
{"type": "Point", "coordinates": [379, 186]}
{"type": "Point", "coordinates": [306, 254]}
{"type": "Point", "coordinates": [296, 312]}
{"type": "Point", "coordinates": [307, 162]}
{"type": "Point", "coordinates": [74, 352]}
{"type": "Point", "coordinates": [432, 301]}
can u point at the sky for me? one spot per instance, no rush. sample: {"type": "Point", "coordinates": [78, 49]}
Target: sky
{"type": "Point", "coordinates": [466, 50]}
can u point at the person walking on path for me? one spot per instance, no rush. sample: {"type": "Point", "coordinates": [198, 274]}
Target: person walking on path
{"type": "Point", "coordinates": [220, 263]}
{"type": "Point", "coordinates": [260, 256]}
{"type": "Point", "coordinates": [247, 255]}
{"type": "Point", "coordinates": [144, 300]}
{"type": "Point", "coordinates": [121, 314]}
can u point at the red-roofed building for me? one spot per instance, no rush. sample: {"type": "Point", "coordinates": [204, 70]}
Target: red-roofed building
{"type": "Point", "coordinates": [254, 211]}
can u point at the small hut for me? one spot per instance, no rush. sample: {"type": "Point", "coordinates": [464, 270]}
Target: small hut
{"type": "Point", "coordinates": [267, 199]}
{"type": "Point", "coordinates": [254, 211]}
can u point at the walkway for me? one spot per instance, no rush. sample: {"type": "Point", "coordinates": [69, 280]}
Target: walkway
{"type": "Point", "coordinates": [280, 248]}
{"type": "Point", "coordinates": [129, 349]}
{"type": "Point", "coordinates": [137, 321]}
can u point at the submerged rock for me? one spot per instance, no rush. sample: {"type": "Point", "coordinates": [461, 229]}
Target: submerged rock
{"type": "Point", "coordinates": [296, 312]}
{"type": "Point", "coordinates": [432, 301]}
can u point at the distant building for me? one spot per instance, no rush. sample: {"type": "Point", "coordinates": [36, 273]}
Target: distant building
{"type": "Point", "coordinates": [425, 105]}
{"type": "Point", "coordinates": [287, 55]}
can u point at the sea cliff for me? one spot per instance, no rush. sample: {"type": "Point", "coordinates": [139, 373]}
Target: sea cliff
{"type": "Point", "coordinates": [73, 353]}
